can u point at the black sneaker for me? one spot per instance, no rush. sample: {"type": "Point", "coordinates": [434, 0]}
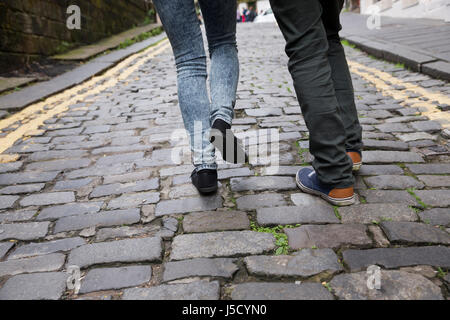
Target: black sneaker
{"type": "Point", "coordinates": [225, 141]}
{"type": "Point", "coordinates": [205, 180]}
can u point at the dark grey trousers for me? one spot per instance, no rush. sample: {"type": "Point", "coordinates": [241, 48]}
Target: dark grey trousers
{"type": "Point", "coordinates": [322, 83]}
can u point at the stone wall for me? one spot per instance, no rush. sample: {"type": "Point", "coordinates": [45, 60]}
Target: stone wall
{"type": "Point", "coordinates": [34, 28]}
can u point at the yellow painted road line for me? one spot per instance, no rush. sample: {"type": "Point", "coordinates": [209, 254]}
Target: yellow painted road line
{"type": "Point", "coordinates": [73, 95]}
{"type": "Point", "coordinates": [385, 82]}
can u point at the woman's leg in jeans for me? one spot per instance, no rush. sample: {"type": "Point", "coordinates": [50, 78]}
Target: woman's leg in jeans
{"type": "Point", "coordinates": [341, 75]}
{"type": "Point", "coordinates": [182, 27]}
{"type": "Point", "coordinates": [220, 24]}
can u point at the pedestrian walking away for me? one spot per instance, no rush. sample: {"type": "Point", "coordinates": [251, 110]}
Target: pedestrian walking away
{"type": "Point", "coordinates": [323, 86]}
{"type": "Point", "coordinates": [201, 113]}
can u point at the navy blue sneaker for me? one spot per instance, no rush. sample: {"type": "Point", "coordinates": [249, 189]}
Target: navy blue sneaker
{"type": "Point", "coordinates": [307, 181]}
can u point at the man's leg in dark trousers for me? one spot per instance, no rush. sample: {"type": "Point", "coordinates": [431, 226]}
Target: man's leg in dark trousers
{"type": "Point", "coordinates": [341, 75]}
{"type": "Point", "coordinates": [307, 48]}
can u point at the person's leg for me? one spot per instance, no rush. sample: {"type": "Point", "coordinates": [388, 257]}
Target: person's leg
{"type": "Point", "coordinates": [306, 46]}
{"type": "Point", "coordinates": [341, 75]}
{"type": "Point", "coordinates": [220, 25]}
{"type": "Point", "coordinates": [181, 24]}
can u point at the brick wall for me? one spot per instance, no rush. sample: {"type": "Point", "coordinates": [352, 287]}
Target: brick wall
{"type": "Point", "coordinates": [33, 28]}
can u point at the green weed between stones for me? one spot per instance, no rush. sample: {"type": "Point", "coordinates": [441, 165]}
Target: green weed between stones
{"type": "Point", "coordinates": [281, 239]}
{"type": "Point", "coordinates": [143, 36]}
{"type": "Point", "coordinates": [419, 201]}
{"type": "Point", "coordinates": [336, 212]}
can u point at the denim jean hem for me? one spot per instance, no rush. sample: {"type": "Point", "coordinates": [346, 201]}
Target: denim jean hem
{"type": "Point", "coordinates": [203, 166]}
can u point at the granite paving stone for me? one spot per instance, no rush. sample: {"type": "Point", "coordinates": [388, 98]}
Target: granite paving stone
{"type": "Point", "coordinates": [435, 198]}
{"type": "Point", "coordinates": [304, 263]}
{"type": "Point", "coordinates": [7, 201]}
{"type": "Point", "coordinates": [435, 181]}
{"type": "Point", "coordinates": [43, 248]}
{"type": "Point", "coordinates": [370, 212]}
{"type": "Point", "coordinates": [436, 216]}
{"type": "Point", "coordinates": [23, 188]}
{"type": "Point", "coordinates": [328, 236]}
{"type": "Point", "coordinates": [118, 188]}
{"type": "Point", "coordinates": [133, 200]}
{"type": "Point", "coordinates": [98, 219]}
{"type": "Point", "coordinates": [209, 221]}
{"type": "Point", "coordinates": [260, 200]}
{"type": "Point", "coordinates": [280, 291]}
{"type": "Point", "coordinates": [414, 232]}
{"type": "Point", "coordinates": [35, 286]}
{"type": "Point", "coordinates": [429, 168]}
{"type": "Point", "coordinates": [384, 182]}
{"type": "Point", "coordinates": [70, 209]}
{"type": "Point", "coordinates": [437, 256]}
{"type": "Point", "coordinates": [204, 203]}
{"type": "Point", "coordinates": [130, 250]}
{"type": "Point", "coordinates": [51, 198]}
{"type": "Point", "coordinates": [377, 157]}
{"type": "Point", "coordinates": [4, 248]}
{"type": "Point", "coordinates": [201, 267]}
{"type": "Point", "coordinates": [317, 213]}
{"type": "Point", "coordinates": [388, 196]}
{"type": "Point", "coordinates": [24, 231]}
{"type": "Point", "coordinates": [262, 183]}
{"type": "Point", "coordinates": [198, 290]}
{"type": "Point", "coordinates": [221, 244]}
{"type": "Point", "coordinates": [45, 263]}
{"type": "Point", "coordinates": [395, 285]}
{"type": "Point", "coordinates": [115, 278]}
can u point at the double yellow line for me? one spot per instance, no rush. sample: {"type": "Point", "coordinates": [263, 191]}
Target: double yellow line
{"type": "Point", "coordinates": [385, 83]}
{"type": "Point", "coordinates": [61, 101]}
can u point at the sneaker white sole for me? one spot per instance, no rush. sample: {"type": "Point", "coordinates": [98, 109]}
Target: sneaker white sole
{"type": "Point", "coordinates": [337, 202]}
{"type": "Point", "coordinates": [357, 166]}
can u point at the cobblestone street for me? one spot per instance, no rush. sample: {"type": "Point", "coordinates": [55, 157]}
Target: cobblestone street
{"type": "Point", "coordinates": [98, 177]}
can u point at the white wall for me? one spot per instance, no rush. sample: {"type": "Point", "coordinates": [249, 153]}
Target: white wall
{"type": "Point", "coordinates": [432, 9]}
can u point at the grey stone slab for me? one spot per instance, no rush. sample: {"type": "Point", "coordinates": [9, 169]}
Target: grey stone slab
{"type": "Point", "coordinates": [209, 221]}
{"type": "Point", "coordinates": [121, 158]}
{"type": "Point", "coordinates": [296, 214]}
{"type": "Point", "coordinates": [98, 219]}
{"type": "Point", "coordinates": [126, 232]}
{"type": "Point", "coordinates": [115, 278]}
{"type": "Point", "coordinates": [435, 198]}
{"type": "Point", "coordinates": [127, 177]}
{"type": "Point", "coordinates": [376, 157]}
{"type": "Point", "coordinates": [17, 216]}
{"type": "Point", "coordinates": [221, 244]}
{"type": "Point", "coordinates": [395, 285]}
{"type": "Point", "coordinates": [415, 136]}
{"type": "Point", "coordinates": [183, 191]}
{"type": "Point", "coordinates": [428, 126]}
{"type": "Point", "coordinates": [7, 202]}
{"type": "Point", "coordinates": [368, 170]}
{"type": "Point", "coordinates": [133, 200]}
{"type": "Point", "coordinates": [304, 199]}
{"type": "Point", "coordinates": [57, 154]}
{"type": "Point", "coordinates": [10, 166]}
{"type": "Point", "coordinates": [398, 182]}
{"type": "Point", "coordinates": [434, 181]}
{"type": "Point", "coordinates": [50, 262]}
{"type": "Point", "coordinates": [97, 171]}
{"type": "Point", "coordinates": [43, 199]}
{"type": "Point", "coordinates": [35, 286]}
{"type": "Point", "coordinates": [385, 145]}
{"type": "Point", "coordinates": [394, 127]}
{"type": "Point", "coordinates": [42, 248]}
{"type": "Point", "coordinates": [120, 188]}
{"type": "Point", "coordinates": [204, 203]}
{"type": "Point", "coordinates": [23, 188]}
{"type": "Point", "coordinates": [328, 236]}
{"type": "Point", "coordinates": [414, 232]}
{"type": "Point", "coordinates": [230, 173]}
{"type": "Point", "coordinates": [4, 248]}
{"type": "Point", "coordinates": [437, 69]}
{"type": "Point", "coordinates": [129, 250]}
{"type": "Point", "coordinates": [437, 256]}
{"type": "Point", "coordinates": [281, 171]}
{"type": "Point", "coordinates": [260, 200]}
{"type": "Point", "coordinates": [436, 216]}
{"type": "Point", "coordinates": [71, 209]}
{"type": "Point", "coordinates": [59, 164]}
{"type": "Point", "coordinates": [262, 183]}
{"type": "Point", "coordinates": [280, 291]}
{"type": "Point", "coordinates": [429, 168]}
{"type": "Point", "coordinates": [69, 185]}
{"type": "Point", "coordinates": [388, 196]}
{"type": "Point", "coordinates": [304, 263]}
{"type": "Point", "coordinates": [198, 290]}
{"type": "Point", "coordinates": [24, 231]}
{"type": "Point", "coordinates": [202, 267]}
{"type": "Point", "coordinates": [370, 212]}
